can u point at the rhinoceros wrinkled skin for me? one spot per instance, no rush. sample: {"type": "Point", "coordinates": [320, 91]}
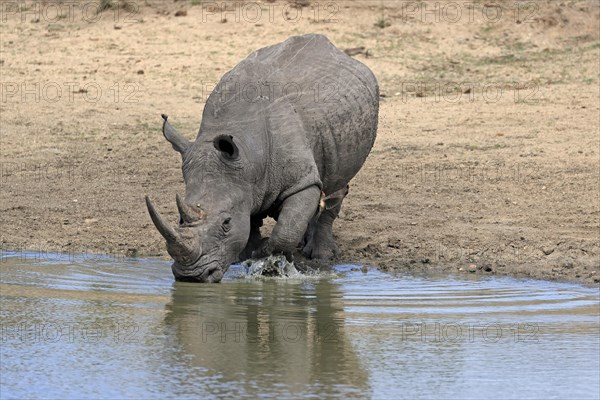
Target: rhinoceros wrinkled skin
{"type": "Point", "coordinates": [282, 135]}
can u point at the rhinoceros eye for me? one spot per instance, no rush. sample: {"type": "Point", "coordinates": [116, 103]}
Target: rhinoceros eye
{"type": "Point", "coordinates": [225, 144]}
{"type": "Point", "coordinates": [227, 224]}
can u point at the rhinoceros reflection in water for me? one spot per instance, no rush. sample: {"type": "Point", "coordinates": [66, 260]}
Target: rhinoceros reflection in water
{"type": "Point", "coordinates": [257, 335]}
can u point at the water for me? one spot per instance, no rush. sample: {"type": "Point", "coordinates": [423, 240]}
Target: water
{"type": "Point", "coordinates": [272, 266]}
{"type": "Point", "coordinates": [103, 329]}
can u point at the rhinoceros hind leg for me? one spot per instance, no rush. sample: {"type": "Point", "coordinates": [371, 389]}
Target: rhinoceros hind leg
{"type": "Point", "coordinates": [254, 240]}
{"type": "Point", "coordinates": [319, 243]}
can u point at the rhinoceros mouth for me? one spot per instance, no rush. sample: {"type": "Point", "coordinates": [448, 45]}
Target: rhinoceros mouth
{"type": "Point", "coordinates": [211, 272]}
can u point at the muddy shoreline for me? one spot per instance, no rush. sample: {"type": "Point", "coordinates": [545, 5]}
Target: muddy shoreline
{"type": "Point", "coordinates": [467, 183]}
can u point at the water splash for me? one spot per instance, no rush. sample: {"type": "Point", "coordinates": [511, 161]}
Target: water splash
{"type": "Point", "coordinates": [272, 266]}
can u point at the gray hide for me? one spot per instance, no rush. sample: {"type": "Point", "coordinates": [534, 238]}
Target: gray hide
{"type": "Point", "coordinates": [282, 135]}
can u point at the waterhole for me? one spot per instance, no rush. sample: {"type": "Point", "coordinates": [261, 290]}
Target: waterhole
{"type": "Point", "coordinates": [79, 327]}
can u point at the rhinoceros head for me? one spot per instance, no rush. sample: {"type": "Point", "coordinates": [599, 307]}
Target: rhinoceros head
{"type": "Point", "coordinates": [214, 216]}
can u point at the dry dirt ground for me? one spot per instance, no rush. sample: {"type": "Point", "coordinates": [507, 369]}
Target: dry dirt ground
{"type": "Point", "coordinates": [486, 160]}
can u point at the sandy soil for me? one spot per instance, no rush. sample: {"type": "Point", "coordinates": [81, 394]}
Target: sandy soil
{"type": "Point", "coordinates": [486, 161]}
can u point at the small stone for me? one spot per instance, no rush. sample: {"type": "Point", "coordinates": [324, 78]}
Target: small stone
{"type": "Point", "coordinates": [131, 252]}
{"type": "Point", "coordinates": [300, 3]}
{"type": "Point", "coordinates": [364, 269]}
{"type": "Point", "coordinates": [487, 268]}
{"type": "Point", "coordinates": [181, 13]}
{"type": "Point", "coordinates": [140, 72]}
{"type": "Point", "coordinates": [354, 51]}
{"type": "Point", "coordinates": [567, 263]}
{"type": "Point", "coordinates": [472, 268]}
{"type": "Point", "coordinates": [90, 220]}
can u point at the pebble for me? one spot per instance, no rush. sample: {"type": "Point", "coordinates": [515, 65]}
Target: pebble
{"type": "Point", "coordinates": [548, 250]}
{"type": "Point", "coordinates": [567, 263]}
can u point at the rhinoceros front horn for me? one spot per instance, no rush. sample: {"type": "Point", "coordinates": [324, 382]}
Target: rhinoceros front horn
{"type": "Point", "coordinates": [163, 227]}
{"type": "Point", "coordinates": [182, 243]}
{"type": "Point", "coordinates": [175, 244]}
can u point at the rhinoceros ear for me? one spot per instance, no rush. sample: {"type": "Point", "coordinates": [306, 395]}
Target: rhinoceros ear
{"type": "Point", "coordinates": [179, 143]}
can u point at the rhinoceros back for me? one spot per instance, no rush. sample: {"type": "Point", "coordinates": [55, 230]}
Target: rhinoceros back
{"type": "Point", "coordinates": [335, 97]}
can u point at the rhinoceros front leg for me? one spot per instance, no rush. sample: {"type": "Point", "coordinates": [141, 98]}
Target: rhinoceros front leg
{"type": "Point", "coordinates": [296, 212]}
